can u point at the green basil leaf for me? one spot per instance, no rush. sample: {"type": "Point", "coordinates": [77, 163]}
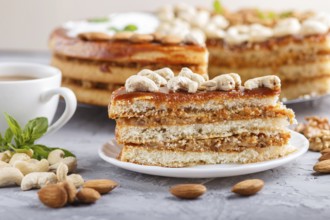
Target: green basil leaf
{"type": "Point", "coordinates": [8, 136]}
{"type": "Point", "coordinates": [13, 125]}
{"type": "Point", "coordinates": [66, 152]}
{"type": "Point", "coordinates": [130, 27]}
{"type": "Point", "coordinates": [217, 6]}
{"type": "Point", "coordinates": [35, 129]}
{"type": "Point", "coordinates": [40, 151]}
{"type": "Point", "coordinates": [2, 141]}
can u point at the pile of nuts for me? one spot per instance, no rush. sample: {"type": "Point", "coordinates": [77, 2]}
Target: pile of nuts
{"type": "Point", "coordinates": [20, 169]}
{"type": "Point", "coordinates": [63, 193]}
{"type": "Point", "coordinates": [51, 175]}
{"type": "Point", "coordinates": [317, 131]}
{"type": "Point", "coordinates": [193, 191]}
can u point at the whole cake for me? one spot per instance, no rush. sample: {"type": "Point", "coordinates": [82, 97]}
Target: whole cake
{"type": "Point", "coordinates": [185, 120]}
{"type": "Point", "coordinates": [97, 55]}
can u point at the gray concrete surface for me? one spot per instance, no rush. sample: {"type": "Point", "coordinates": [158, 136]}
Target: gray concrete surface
{"type": "Point", "coordinates": [291, 192]}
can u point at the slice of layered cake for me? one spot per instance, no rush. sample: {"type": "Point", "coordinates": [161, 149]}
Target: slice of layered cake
{"type": "Point", "coordinates": [177, 121]}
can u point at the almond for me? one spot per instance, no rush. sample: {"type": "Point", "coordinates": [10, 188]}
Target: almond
{"type": "Point", "coordinates": [188, 191]}
{"type": "Point", "coordinates": [325, 157]}
{"type": "Point", "coordinates": [53, 196]}
{"type": "Point", "coordinates": [248, 187]}
{"type": "Point", "coordinates": [70, 190]}
{"type": "Point", "coordinates": [101, 185]}
{"type": "Point", "coordinates": [88, 195]}
{"type": "Point", "coordinates": [327, 150]}
{"type": "Point", "coordinates": [94, 36]}
{"type": "Point", "coordinates": [322, 166]}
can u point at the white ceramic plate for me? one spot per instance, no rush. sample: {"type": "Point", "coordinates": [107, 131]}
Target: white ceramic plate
{"type": "Point", "coordinates": [310, 99]}
{"type": "Point", "coordinates": [110, 151]}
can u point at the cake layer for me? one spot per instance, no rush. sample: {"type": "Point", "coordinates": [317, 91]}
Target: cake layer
{"type": "Point", "coordinates": [125, 51]}
{"type": "Point", "coordinates": [200, 117]}
{"type": "Point", "coordinates": [170, 158]}
{"type": "Point", "coordinates": [110, 72]}
{"type": "Point", "coordinates": [306, 88]}
{"type": "Point", "coordinates": [290, 72]}
{"type": "Point", "coordinates": [163, 103]}
{"type": "Point", "coordinates": [236, 143]}
{"type": "Point", "coordinates": [91, 96]}
{"type": "Point", "coordinates": [152, 134]}
{"type": "Point", "coordinates": [273, 52]}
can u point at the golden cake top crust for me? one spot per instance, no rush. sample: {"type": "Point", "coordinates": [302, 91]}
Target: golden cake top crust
{"type": "Point", "coordinates": [125, 50]}
{"type": "Point", "coordinates": [164, 94]}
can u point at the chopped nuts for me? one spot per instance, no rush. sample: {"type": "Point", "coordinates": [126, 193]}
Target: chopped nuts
{"type": "Point", "coordinates": [102, 185]}
{"type": "Point", "coordinates": [188, 191]}
{"type": "Point", "coordinates": [317, 131]}
{"type": "Point", "coordinates": [248, 187]}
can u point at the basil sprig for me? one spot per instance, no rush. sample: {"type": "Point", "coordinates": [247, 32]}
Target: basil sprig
{"type": "Point", "coordinates": [22, 140]}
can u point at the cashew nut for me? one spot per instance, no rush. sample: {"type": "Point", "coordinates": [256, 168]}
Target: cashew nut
{"type": "Point", "coordinates": [71, 162]}
{"type": "Point", "coordinates": [4, 164]}
{"type": "Point", "coordinates": [5, 156]}
{"type": "Point", "coordinates": [166, 72]}
{"type": "Point", "coordinates": [55, 156]}
{"type": "Point", "coordinates": [19, 157]}
{"type": "Point", "coordinates": [158, 79]}
{"type": "Point", "coordinates": [272, 82]}
{"type": "Point", "coordinates": [32, 165]}
{"type": "Point", "coordinates": [37, 180]}
{"type": "Point", "coordinates": [186, 72]}
{"type": "Point", "coordinates": [140, 84]}
{"type": "Point", "coordinates": [222, 83]}
{"type": "Point", "coordinates": [182, 83]}
{"type": "Point", "coordinates": [62, 172]}
{"type": "Point", "coordinates": [10, 176]}
{"type": "Point", "coordinates": [76, 179]}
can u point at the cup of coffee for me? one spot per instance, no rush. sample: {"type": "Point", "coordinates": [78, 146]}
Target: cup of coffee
{"type": "Point", "coordinates": [30, 90]}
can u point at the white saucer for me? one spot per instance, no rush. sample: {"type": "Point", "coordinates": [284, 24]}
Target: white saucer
{"type": "Point", "coordinates": [110, 151]}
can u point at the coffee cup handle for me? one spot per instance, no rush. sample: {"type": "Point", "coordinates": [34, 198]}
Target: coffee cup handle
{"type": "Point", "coordinates": [70, 106]}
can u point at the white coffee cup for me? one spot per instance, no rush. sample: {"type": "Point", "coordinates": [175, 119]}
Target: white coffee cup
{"type": "Point", "coordinates": [27, 99]}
